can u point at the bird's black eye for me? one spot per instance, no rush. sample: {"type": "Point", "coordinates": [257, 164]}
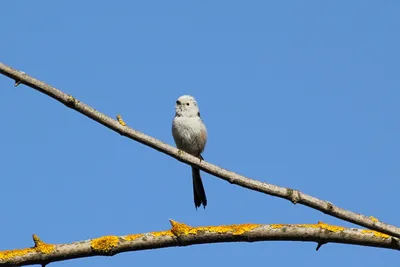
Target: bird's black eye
{"type": "Point", "coordinates": [178, 102]}
{"type": "Point", "coordinates": [187, 104]}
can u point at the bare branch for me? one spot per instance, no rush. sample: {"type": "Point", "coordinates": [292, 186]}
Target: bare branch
{"type": "Point", "coordinates": [292, 195]}
{"type": "Point", "coordinates": [184, 235]}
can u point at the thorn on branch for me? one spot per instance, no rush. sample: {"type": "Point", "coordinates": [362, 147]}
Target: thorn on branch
{"type": "Point", "coordinates": [17, 82]}
{"type": "Point", "coordinates": [179, 228]}
{"type": "Point", "coordinates": [320, 245]}
{"type": "Point", "coordinates": [36, 240]}
{"type": "Point", "coordinates": [41, 246]}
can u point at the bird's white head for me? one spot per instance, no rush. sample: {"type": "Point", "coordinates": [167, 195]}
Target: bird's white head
{"type": "Point", "coordinates": [186, 106]}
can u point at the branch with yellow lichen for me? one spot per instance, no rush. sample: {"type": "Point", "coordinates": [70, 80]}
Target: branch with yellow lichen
{"type": "Point", "coordinates": [183, 235]}
{"type": "Point", "coordinates": [120, 127]}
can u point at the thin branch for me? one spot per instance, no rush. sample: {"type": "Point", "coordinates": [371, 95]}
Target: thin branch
{"type": "Point", "coordinates": [292, 195]}
{"type": "Point", "coordinates": [184, 235]}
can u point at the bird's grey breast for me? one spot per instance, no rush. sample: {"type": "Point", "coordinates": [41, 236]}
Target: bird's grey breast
{"type": "Point", "coordinates": [189, 134]}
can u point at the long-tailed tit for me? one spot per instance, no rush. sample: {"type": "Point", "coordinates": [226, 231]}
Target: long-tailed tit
{"type": "Point", "coordinates": [190, 135]}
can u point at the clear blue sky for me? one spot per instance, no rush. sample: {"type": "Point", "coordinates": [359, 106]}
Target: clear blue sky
{"type": "Point", "coordinates": [303, 94]}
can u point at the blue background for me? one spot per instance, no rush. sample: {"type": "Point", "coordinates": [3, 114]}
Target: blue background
{"type": "Point", "coordinates": [301, 94]}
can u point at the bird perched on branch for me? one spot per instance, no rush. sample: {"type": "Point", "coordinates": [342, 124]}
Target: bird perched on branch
{"type": "Point", "coordinates": [190, 135]}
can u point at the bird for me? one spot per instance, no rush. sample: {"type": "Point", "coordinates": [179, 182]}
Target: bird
{"type": "Point", "coordinates": [190, 135]}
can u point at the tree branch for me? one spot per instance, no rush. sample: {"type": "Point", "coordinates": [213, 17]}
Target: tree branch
{"type": "Point", "coordinates": [294, 196]}
{"type": "Point", "coordinates": [184, 235]}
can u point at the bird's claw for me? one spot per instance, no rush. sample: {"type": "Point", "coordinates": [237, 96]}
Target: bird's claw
{"type": "Point", "coordinates": [180, 152]}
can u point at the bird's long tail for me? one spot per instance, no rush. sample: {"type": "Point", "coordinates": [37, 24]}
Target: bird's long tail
{"type": "Point", "coordinates": [198, 189]}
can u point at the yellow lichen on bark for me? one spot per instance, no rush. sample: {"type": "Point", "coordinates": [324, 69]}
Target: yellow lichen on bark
{"type": "Point", "coordinates": [278, 226]}
{"type": "Point", "coordinates": [332, 228]}
{"type": "Point", "coordinates": [40, 246]}
{"type": "Point", "coordinates": [373, 219]}
{"type": "Point", "coordinates": [104, 244]}
{"type": "Point", "coordinates": [162, 233]}
{"type": "Point", "coordinates": [375, 233]}
{"type": "Point", "coordinates": [9, 254]}
{"type": "Point", "coordinates": [132, 237]}
{"type": "Point", "coordinates": [235, 229]}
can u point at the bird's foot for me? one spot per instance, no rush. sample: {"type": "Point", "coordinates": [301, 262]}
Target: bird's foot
{"type": "Point", "coordinates": [180, 152]}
